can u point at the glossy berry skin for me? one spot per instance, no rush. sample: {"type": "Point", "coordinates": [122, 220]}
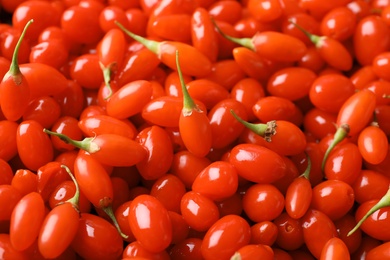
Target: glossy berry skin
{"type": "Point", "coordinates": [199, 212]}
{"type": "Point", "coordinates": [108, 55]}
{"type": "Point", "coordinates": [332, 197]}
{"type": "Point", "coordinates": [14, 88]}
{"type": "Point", "coordinates": [43, 53]}
{"type": "Point", "coordinates": [202, 34]}
{"type": "Point", "coordinates": [344, 163]}
{"type": "Point", "coordinates": [186, 166]}
{"type": "Point", "coordinates": [116, 150]}
{"type": "Point", "coordinates": [217, 181]}
{"type": "Point", "coordinates": [44, 15]}
{"type": "Point", "coordinates": [344, 225]}
{"type": "Point", "coordinates": [334, 53]}
{"type": "Point", "coordinates": [363, 76]}
{"type": "Point", "coordinates": [49, 176]}
{"type": "Point", "coordinates": [252, 64]}
{"type": "Point", "coordinates": [289, 139]}
{"type": "Point", "coordinates": [169, 190]}
{"type": "Point", "coordinates": [83, 17]}
{"type": "Point", "coordinates": [160, 152]}
{"type": "Point", "coordinates": [14, 97]}
{"type": "Point", "coordinates": [104, 124]}
{"type": "Point", "coordinates": [193, 61]}
{"type": "Point", "coordinates": [373, 144]}
{"type": "Point", "coordinates": [8, 175]}
{"type": "Point", "coordinates": [58, 230]}
{"type": "Point", "coordinates": [157, 234]}
{"type": "Point", "coordinates": [208, 92]}
{"type": "Point", "coordinates": [335, 248]}
{"type": "Point", "coordinates": [248, 91]}
{"type": "Point", "coordinates": [195, 131]}
{"type": "Point", "coordinates": [264, 232]}
{"type": "Point", "coordinates": [263, 202]}
{"type": "Point", "coordinates": [8, 138]}
{"type": "Point", "coordinates": [30, 137]}
{"type": "Point", "coordinates": [88, 244]}
{"type": "Point", "coordinates": [225, 129]}
{"type": "Point", "coordinates": [24, 226]}
{"type": "Point", "coordinates": [380, 66]}
{"type": "Point", "coordinates": [379, 252]}
{"type": "Point", "coordinates": [137, 66]}
{"type": "Point", "coordinates": [278, 46]}
{"type": "Point", "coordinates": [375, 224]}
{"type": "Point", "coordinates": [135, 250]}
{"type": "Point", "coordinates": [370, 185]}
{"type": "Point", "coordinates": [289, 232]}
{"type": "Point", "coordinates": [292, 83]}
{"type": "Point", "coordinates": [129, 99]}
{"type": "Point", "coordinates": [43, 79]}
{"type": "Point", "coordinates": [232, 231]}
{"type": "Point", "coordinates": [189, 248]}
{"type": "Point", "coordinates": [44, 110]}
{"type": "Point", "coordinates": [377, 35]}
{"type": "Point", "coordinates": [329, 92]}
{"type": "Point", "coordinates": [65, 191]}
{"type": "Point", "coordinates": [277, 108]}
{"type": "Point", "coordinates": [90, 173]}
{"type": "Point", "coordinates": [319, 123]}
{"type": "Point", "coordinates": [339, 23]}
{"type": "Point", "coordinates": [257, 163]}
{"type": "Point", "coordinates": [253, 251]}
{"type": "Point", "coordinates": [9, 251]}
{"type": "Point", "coordinates": [354, 114]}
{"type": "Point", "coordinates": [68, 126]}
{"type": "Point", "coordinates": [163, 111]}
{"type": "Point", "coordinates": [298, 197]}
{"type": "Point", "coordinates": [357, 110]}
{"type": "Point", "coordinates": [318, 228]}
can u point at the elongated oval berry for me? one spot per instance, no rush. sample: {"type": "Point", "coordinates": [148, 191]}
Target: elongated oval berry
{"type": "Point", "coordinates": [257, 163]}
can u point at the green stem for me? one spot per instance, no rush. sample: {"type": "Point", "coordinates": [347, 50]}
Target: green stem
{"type": "Point", "coordinates": [264, 130]}
{"type": "Point", "coordinates": [108, 210]}
{"type": "Point", "coordinates": [14, 70]}
{"type": "Point", "coordinates": [236, 256]}
{"type": "Point", "coordinates": [153, 46]}
{"type": "Point", "coordinates": [107, 77]}
{"type": "Point", "coordinates": [86, 144]}
{"type": "Point", "coordinates": [306, 174]}
{"type": "Point", "coordinates": [383, 202]}
{"type": "Point", "coordinates": [339, 136]}
{"type": "Point", "coordinates": [315, 39]}
{"type": "Point", "coordinates": [245, 42]}
{"type": "Point", "coordinates": [188, 103]}
{"type": "Point", "coordinates": [76, 197]}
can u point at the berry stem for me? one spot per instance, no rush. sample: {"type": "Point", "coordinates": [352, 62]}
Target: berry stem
{"type": "Point", "coordinates": [306, 173]}
{"type": "Point", "coordinates": [188, 103]}
{"type": "Point", "coordinates": [153, 46]}
{"type": "Point", "coordinates": [108, 210]}
{"type": "Point", "coordinates": [76, 197]}
{"type": "Point", "coordinates": [339, 136]}
{"type": "Point", "coordinates": [383, 202]}
{"type": "Point", "coordinates": [14, 70]}
{"type": "Point", "coordinates": [107, 77]}
{"type": "Point", "coordinates": [86, 144]}
{"type": "Point", "coordinates": [315, 39]}
{"type": "Point", "coordinates": [245, 42]}
{"type": "Point", "coordinates": [264, 130]}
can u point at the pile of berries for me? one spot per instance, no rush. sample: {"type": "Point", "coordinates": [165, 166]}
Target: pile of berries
{"type": "Point", "coordinates": [195, 129]}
